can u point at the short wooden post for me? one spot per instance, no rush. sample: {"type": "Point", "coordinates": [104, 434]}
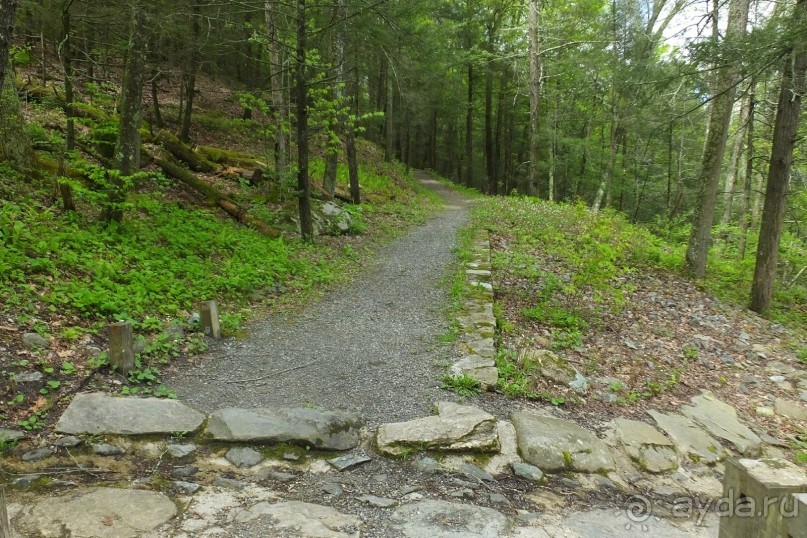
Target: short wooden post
{"type": "Point", "coordinates": [121, 347]}
{"type": "Point", "coordinates": [209, 318]}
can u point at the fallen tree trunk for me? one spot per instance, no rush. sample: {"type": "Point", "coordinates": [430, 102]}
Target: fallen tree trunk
{"type": "Point", "coordinates": [233, 158]}
{"type": "Point", "coordinates": [176, 171]}
{"type": "Point", "coordinates": [185, 153]}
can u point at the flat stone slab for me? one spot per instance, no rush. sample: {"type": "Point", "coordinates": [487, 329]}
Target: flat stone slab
{"type": "Point", "coordinates": [617, 524]}
{"type": "Point", "coordinates": [647, 446]}
{"type": "Point", "coordinates": [440, 519]}
{"type": "Point", "coordinates": [554, 444]}
{"type": "Point", "coordinates": [100, 413]}
{"type": "Point", "coordinates": [96, 512]}
{"type": "Point", "coordinates": [455, 428]}
{"type": "Point", "coordinates": [304, 520]}
{"type": "Point", "coordinates": [326, 430]}
{"type": "Point", "coordinates": [790, 409]}
{"type": "Point", "coordinates": [10, 435]}
{"type": "Point", "coordinates": [480, 368]}
{"type": "Point", "coordinates": [720, 419]}
{"type": "Point", "coordinates": [690, 440]}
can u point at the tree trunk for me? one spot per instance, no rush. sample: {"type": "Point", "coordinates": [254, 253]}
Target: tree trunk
{"type": "Point", "coordinates": [714, 149]}
{"type": "Point", "coordinates": [784, 140]}
{"type": "Point", "coordinates": [8, 9]}
{"type": "Point", "coordinates": [389, 121]}
{"type": "Point", "coordinates": [490, 155]}
{"type": "Point", "coordinates": [271, 10]}
{"type": "Point", "coordinates": [535, 96]}
{"type": "Point", "coordinates": [189, 74]}
{"type": "Point", "coordinates": [303, 182]}
{"type": "Point", "coordinates": [66, 53]}
{"type": "Point", "coordinates": [469, 129]}
{"type": "Point", "coordinates": [127, 148]}
{"type": "Point", "coordinates": [745, 207]}
{"type": "Point", "coordinates": [155, 99]}
{"type": "Point", "coordinates": [735, 169]}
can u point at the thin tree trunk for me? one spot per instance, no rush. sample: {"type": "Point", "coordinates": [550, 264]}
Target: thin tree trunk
{"type": "Point", "coordinates": [736, 169]}
{"type": "Point", "coordinates": [469, 129]}
{"type": "Point", "coordinates": [189, 76]}
{"type": "Point", "coordinates": [8, 10]}
{"type": "Point", "coordinates": [535, 96]}
{"type": "Point", "coordinates": [389, 121]}
{"type": "Point", "coordinates": [714, 149]}
{"type": "Point", "coordinates": [749, 176]}
{"type": "Point", "coordinates": [66, 53]}
{"type": "Point", "coordinates": [784, 141]}
{"type": "Point", "coordinates": [490, 155]}
{"type": "Point", "coordinates": [303, 182]}
{"type": "Point", "coordinates": [271, 12]}
{"type": "Point", "coordinates": [155, 99]}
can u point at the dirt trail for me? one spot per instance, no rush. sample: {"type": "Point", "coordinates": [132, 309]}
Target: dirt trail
{"type": "Point", "coordinates": [370, 348]}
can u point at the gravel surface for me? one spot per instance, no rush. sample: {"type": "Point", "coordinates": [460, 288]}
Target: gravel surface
{"type": "Point", "coordinates": [370, 348]}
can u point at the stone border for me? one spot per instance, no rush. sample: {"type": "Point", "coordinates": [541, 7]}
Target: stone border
{"type": "Point", "coordinates": [477, 323]}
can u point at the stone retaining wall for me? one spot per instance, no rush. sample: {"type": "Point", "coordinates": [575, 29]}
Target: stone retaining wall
{"type": "Point", "coordinates": [477, 324]}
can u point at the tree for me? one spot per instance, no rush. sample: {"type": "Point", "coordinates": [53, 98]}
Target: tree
{"type": "Point", "coordinates": [301, 88]}
{"type": "Point", "coordinates": [535, 96]}
{"type": "Point", "coordinates": [784, 141]}
{"type": "Point", "coordinates": [271, 13]}
{"type": "Point", "coordinates": [8, 10]}
{"type": "Point", "coordinates": [715, 147]}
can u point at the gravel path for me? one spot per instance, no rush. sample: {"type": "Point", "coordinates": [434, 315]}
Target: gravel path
{"type": "Point", "coordinates": [370, 347]}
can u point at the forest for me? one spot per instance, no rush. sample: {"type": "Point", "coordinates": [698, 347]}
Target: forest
{"type": "Point", "coordinates": [681, 115]}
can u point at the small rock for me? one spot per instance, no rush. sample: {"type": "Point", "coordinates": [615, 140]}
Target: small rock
{"type": "Point", "coordinates": [462, 494]}
{"type": "Point", "coordinates": [24, 482]}
{"type": "Point", "coordinates": [791, 409]}
{"type": "Point", "coordinates": [744, 337]}
{"type": "Point", "coordinates": [35, 341]}
{"type": "Point", "coordinates": [570, 483]}
{"type": "Point", "coordinates": [105, 449]}
{"type": "Point", "coordinates": [765, 411]}
{"type": "Point", "coordinates": [497, 498]}
{"type": "Point", "coordinates": [92, 351]}
{"type": "Point", "coordinates": [752, 380]}
{"type": "Point", "coordinates": [378, 502]}
{"type": "Point", "coordinates": [332, 488]}
{"type": "Point", "coordinates": [280, 476]}
{"type": "Point", "coordinates": [181, 451]}
{"type": "Point", "coordinates": [7, 436]}
{"type": "Point", "coordinates": [291, 456]}
{"type": "Point", "coordinates": [630, 344]}
{"type": "Point", "coordinates": [380, 478]}
{"type": "Point", "coordinates": [465, 483]}
{"type": "Point", "coordinates": [476, 472]}
{"type": "Point", "coordinates": [229, 483]}
{"type": "Point", "coordinates": [410, 489]}
{"type": "Point", "coordinates": [803, 397]}
{"type": "Point", "coordinates": [28, 377]}
{"type": "Point", "coordinates": [530, 472]}
{"type": "Point", "coordinates": [777, 378]}
{"type": "Point", "coordinates": [184, 472]}
{"type": "Point", "coordinates": [188, 488]}
{"type": "Point", "coordinates": [346, 462]}
{"type": "Point", "coordinates": [69, 441]}
{"type": "Point", "coordinates": [174, 331]}
{"type": "Point", "coordinates": [605, 483]}
{"type": "Point", "coordinates": [193, 319]}
{"type": "Point", "coordinates": [426, 465]}
{"type": "Point", "coordinates": [244, 456]}
{"type": "Point", "coordinates": [60, 484]}
{"type": "Point", "coordinates": [37, 454]}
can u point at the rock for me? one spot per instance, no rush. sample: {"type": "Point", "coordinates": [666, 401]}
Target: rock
{"type": "Point", "coordinates": [607, 522]}
{"type": "Point", "coordinates": [107, 512]}
{"type": "Point", "coordinates": [689, 439]}
{"type": "Point", "coordinates": [779, 368]}
{"type": "Point", "coordinates": [105, 449]}
{"type": "Point", "coordinates": [304, 520]}
{"type": "Point", "coordinates": [426, 465]}
{"type": "Point", "coordinates": [101, 413]}
{"type": "Point", "coordinates": [777, 378]}
{"type": "Point", "coordinates": [498, 498]}
{"type": "Point", "coordinates": [332, 488]}
{"type": "Point", "coordinates": [35, 341]}
{"type": "Point", "coordinates": [181, 451]}
{"type": "Point", "coordinates": [378, 502]}
{"type": "Point", "coordinates": [466, 493]}
{"type": "Point", "coordinates": [188, 488]}
{"type": "Point", "coordinates": [346, 462]}
{"type": "Point", "coordinates": [455, 428]}
{"type": "Point", "coordinates": [184, 472]}
{"type": "Point", "coordinates": [174, 331]}
{"type": "Point", "coordinates": [92, 351]}
{"type": "Point", "coordinates": [790, 409]}
{"type": "Point", "coordinates": [580, 384]}
{"type": "Point", "coordinates": [647, 446]}
{"type": "Point", "coordinates": [279, 476]}
{"type": "Point", "coordinates": [244, 457]}
{"type": "Point", "coordinates": [752, 380]}
{"type": "Point", "coordinates": [720, 419]}
{"type": "Point", "coordinates": [466, 484]}
{"type": "Point", "coordinates": [29, 377]}
{"type": "Point", "coordinates": [765, 411]}
{"type": "Point", "coordinates": [483, 369]}
{"type": "Point", "coordinates": [318, 429]}
{"type": "Point", "coordinates": [555, 444]}
{"type": "Point", "coordinates": [229, 483]}
{"type": "Point", "coordinates": [291, 456]}
{"type": "Point", "coordinates": [547, 364]}
{"type": "Point", "coordinates": [476, 472]}
{"type": "Point", "coordinates": [69, 441]}
{"type": "Point", "coordinates": [481, 347]}
{"type": "Point", "coordinates": [440, 519]}
{"type": "Point", "coordinates": [10, 436]}
{"type": "Point", "coordinates": [530, 472]}
{"type": "Point", "coordinates": [26, 481]}
{"type": "Point", "coordinates": [37, 454]}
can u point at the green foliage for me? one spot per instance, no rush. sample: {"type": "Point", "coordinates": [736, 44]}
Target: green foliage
{"type": "Point", "coordinates": [464, 385]}
{"type": "Point", "coordinates": [34, 422]}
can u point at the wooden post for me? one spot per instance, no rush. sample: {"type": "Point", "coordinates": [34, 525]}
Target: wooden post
{"type": "Point", "coordinates": [121, 347]}
{"type": "Point", "coordinates": [209, 318]}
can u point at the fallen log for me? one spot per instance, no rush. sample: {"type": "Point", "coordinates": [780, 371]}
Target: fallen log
{"type": "Point", "coordinates": [185, 153]}
{"type": "Point", "coordinates": [189, 179]}
{"type": "Point", "coordinates": [234, 158]}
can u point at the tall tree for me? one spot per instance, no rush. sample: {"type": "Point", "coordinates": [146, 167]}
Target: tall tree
{"type": "Point", "coordinates": [8, 10]}
{"type": "Point", "coordinates": [271, 15]}
{"type": "Point", "coordinates": [301, 89]}
{"type": "Point", "coordinates": [535, 96]}
{"type": "Point", "coordinates": [715, 147]}
{"type": "Point", "coordinates": [784, 141]}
